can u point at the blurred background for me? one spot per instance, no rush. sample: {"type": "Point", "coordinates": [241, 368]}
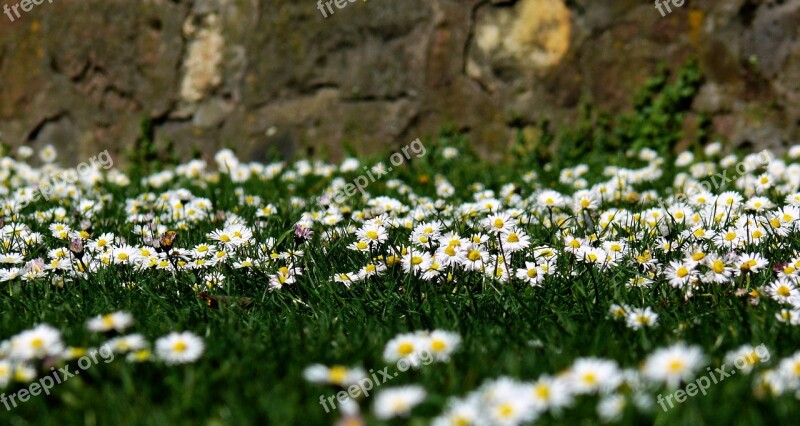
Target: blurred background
{"type": "Point", "coordinates": [162, 80]}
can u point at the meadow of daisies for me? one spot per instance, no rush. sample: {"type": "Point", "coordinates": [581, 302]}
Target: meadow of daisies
{"type": "Point", "coordinates": [449, 292]}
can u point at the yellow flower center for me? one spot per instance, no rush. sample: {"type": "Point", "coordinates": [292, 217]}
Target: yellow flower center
{"type": "Point", "coordinates": [179, 346]}
{"type": "Point", "coordinates": [542, 391]}
{"type": "Point", "coordinates": [505, 410]}
{"type": "Point", "coordinates": [337, 374]}
{"type": "Point", "coordinates": [108, 321]}
{"type": "Point", "coordinates": [438, 345]}
{"type": "Point", "coordinates": [675, 366]}
{"type": "Point", "coordinates": [405, 348]}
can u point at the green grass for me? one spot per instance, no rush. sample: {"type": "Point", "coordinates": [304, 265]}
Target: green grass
{"type": "Point", "coordinates": [251, 371]}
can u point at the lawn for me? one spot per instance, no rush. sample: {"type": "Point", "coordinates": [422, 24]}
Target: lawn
{"type": "Point", "coordinates": [459, 291]}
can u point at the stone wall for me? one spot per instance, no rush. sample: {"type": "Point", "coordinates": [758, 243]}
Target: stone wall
{"type": "Point", "coordinates": [266, 76]}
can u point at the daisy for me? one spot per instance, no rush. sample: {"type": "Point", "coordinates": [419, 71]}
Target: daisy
{"type": "Point", "coordinates": [789, 370]}
{"type": "Point", "coordinates": [550, 199]}
{"type": "Point", "coordinates": [532, 274]}
{"type": "Point", "coordinates": [346, 278]}
{"type": "Point", "coordinates": [638, 282]}
{"type": "Point", "coordinates": [6, 373]}
{"type": "Point", "coordinates": [550, 393]}
{"type": "Point", "coordinates": [48, 154]}
{"type": "Point", "coordinates": [129, 343]}
{"type": "Point", "coordinates": [24, 373]}
{"type": "Point", "coordinates": [759, 204]}
{"type": "Point", "coordinates": [590, 375]}
{"type": "Point", "coordinates": [459, 413]}
{"type": "Point", "coordinates": [12, 258]}
{"type": "Point", "coordinates": [244, 263]}
{"type": "Point", "coordinates": [618, 311]}
{"type": "Point", "coordinates": [546, 254]}
{"type": "Point", "coordinates": [641, 318]}
{"type": "Point", "coordinates": [746, 357]}
{"type": "Point", "coordinates": [101, 243]}
{"type": "Point", "coordinates": [425, 233]}
{"type": "Point", "coordinates": [673, 365]}
{"type": "Point", "coordinates": [585, 200]}
{"type": "Point", "coordinates": [372, 233]}
{"type": "Point", "coordinates": [451, 255]}
{"type": "Point", "coordinates": [594, 255]}
{"type": "Point", "coordinates": [718, 270]}
{"type": "Point", "coordinates": [729, 200]}
{"type": "Point", "coordinates": [371, 270]}
{"type": "Point", "coordinates": [416, 261]}
{"type": "Point", "coordinates": [680, 273]}
{"type": "Point", "coordinates": [751, 262]}
{"type": "Point", "coordinates": [729, 238]}
{"type": "Point", "coordinates": [117, 321]}
{"type": "Point", "coordinates": [616, 249]}
{"type": "Point", "coordinates": [498, 223]}
{"type": "Point", "coordinates": [506, 402]}
{"type": "Point", "coordinates": [60, 230]}
{"type": "Point", "coordinates": [611, 408]}
{"type": "Point", "coordinates": [37, 343]}
{"type": "Point", "coordinates": [782, 290]}
{"type": "Point", "coordinates": [124, 254]}
{"type": "Point", "coordinates": [510, 409]}
{"type": "Point", "coordinates": [266, 211]}
{"type": "Point", "coordinates": [224, 236]}
{"type": "Point", "coordinates": [434, 270]}
{"type": "Point", "coordinates": [179, 348]}
{"type": "Point", "coordinates": [203, 251]}
{"type": "Point", "coordinates": [406, 347]}
{"type": "Point", "coordinates": [476, 258]}
{"type": "Point", "coordinates": [361, 246]}
{"type": "Point", "coordinates": [514, 240]}
{"type": "Point", "coordinates": [497, 269]}
{"type": "Point", "coordinates": [398, 401]}
{"type": "Point", "coordinates": [337, 375]}
{"type": "Point", "coordinates": [787, 316]}
{"type": "Point", "coordinates": [441, 344]}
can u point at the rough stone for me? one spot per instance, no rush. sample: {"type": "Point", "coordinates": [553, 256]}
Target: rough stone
{"type": "Point", "coordinates": [274, 77]}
